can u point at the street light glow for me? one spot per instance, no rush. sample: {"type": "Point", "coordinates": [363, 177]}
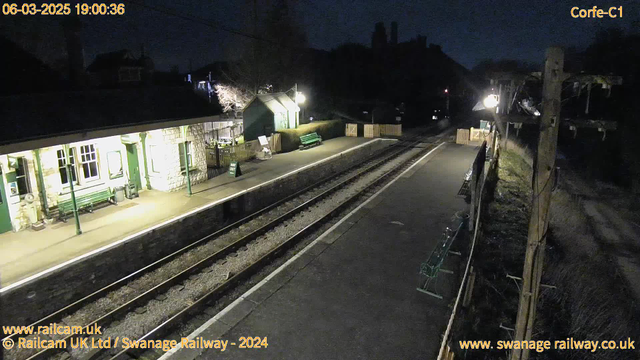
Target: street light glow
{"type": "Point", "coordinates": [491, 101]}
{"type": "Point", "coordinates": [300, 98]}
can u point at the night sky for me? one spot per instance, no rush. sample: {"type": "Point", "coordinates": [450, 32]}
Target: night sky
{"type": "Point", "coordinates": [468, 31]}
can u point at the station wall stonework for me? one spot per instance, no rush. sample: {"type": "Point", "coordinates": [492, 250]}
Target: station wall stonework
{"type": "Point", "coordinates": [52, 291]}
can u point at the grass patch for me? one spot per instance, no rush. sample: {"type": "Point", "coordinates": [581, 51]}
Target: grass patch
{"type": "Point", "coordinates": [590, 301]}
{"type": "Point", "coordinates": [327, 129]}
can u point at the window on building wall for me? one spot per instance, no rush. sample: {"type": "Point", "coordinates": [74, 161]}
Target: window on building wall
{"type": "Point", "coordinates": [89, 161]}
{"type": "Point", "coordinates": [22, 176]}
{"type": "Point", "coordinates": [114, 162]}
{"type": "Point", "coordinates": [62, 166]}
{"type": "Point", "coordinates": [181, 148]}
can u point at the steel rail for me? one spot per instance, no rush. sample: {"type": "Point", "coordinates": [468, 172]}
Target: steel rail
{"type": "Point", "coordinates": [256, 266]}
{"type": "Point", "coordinates": [165, 285]}
{"type": "Point", "coordinates": [61, 313]}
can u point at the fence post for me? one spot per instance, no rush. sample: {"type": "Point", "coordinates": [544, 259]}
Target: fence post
{"type": "Point", "coordinates": [217, 154]}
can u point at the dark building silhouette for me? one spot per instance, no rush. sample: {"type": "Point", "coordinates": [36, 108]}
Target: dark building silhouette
{"type": "Point", "coordinates": [393, 40]}
{"type": "Point", "coordinates": [72, 32]}
{"type": "Point", "coordinates": [379, 37]}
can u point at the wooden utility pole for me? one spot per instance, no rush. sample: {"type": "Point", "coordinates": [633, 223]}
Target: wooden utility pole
{"type": "Point", "coordinates": [542, 184]}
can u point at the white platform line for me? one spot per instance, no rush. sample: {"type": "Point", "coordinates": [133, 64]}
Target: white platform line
{"type": "Point", "coordinates": [229, 307]}
{"type": "Point", "coordinates": [174, 219]}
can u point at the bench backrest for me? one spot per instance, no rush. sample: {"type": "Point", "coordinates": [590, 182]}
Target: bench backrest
{"type": "Point", "coordinates": [309, 137]}
{"type": "Point", "coordinates": [89, 198]}
{"type": "Point", "coordinates": [432, 265]}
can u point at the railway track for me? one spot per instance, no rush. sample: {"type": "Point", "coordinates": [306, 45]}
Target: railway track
{"type": "Point", "coordinates": [251, 243]}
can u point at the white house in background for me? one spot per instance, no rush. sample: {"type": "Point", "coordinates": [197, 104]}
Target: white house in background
{"type": "Point", "coordinates": [114, 137]}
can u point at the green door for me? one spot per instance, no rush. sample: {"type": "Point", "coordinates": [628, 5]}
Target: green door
{"type": "Point", "coordinates": [134, 168]}
{"type": "Point", "coordinates": [5, 218]}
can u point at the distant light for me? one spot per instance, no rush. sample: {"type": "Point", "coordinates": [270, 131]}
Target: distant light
{"type": "Point", "coordinates": [446, 91]}
{"type": "Point", "coordinates": [300, 98]}
{"type": "Point", "coordinates": [310, 118]}
{"type": "Point", "coordinates": [536, 113]}
{"type": "Point", "coordinates": [434, 117]}
{"type": "Point", "coordinates": [491, 101]}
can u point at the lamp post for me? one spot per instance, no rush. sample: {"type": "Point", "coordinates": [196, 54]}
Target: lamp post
{"type": "Point", "coordinates": [298, 98]}
{"type": "Point", "coordinates": [184, 130]}
{"type": "Point", "coordinates": [446, 91]}
{"type": "Point", "coordinates": [73, 194]}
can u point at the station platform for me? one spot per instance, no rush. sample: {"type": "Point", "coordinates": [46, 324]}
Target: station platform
{"type": "Point", "coordinates": [27, 253]}
{"type": "Point", "coordinates": [351, 294]}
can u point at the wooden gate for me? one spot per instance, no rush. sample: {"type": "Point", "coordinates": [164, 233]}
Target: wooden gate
{"type": "Point", "coordinates": [351, 130]}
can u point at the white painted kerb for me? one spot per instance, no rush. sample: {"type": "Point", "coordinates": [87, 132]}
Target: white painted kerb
{"type": "Point", "coordinates": [177, 218]}
{"type": "Point", "coordinates": [219, 315]}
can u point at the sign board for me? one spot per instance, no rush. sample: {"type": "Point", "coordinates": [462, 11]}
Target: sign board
{"type": "Point", "coordinates": [13, 187]}
{"type": "Point", "coordinates": [234, 169]}
{"type": "Point", "coordinates": [13, 162]}
{"type": "Point", "coordinates": [263, 140]}
{"type": "Point", "coordinates": [129, 138]}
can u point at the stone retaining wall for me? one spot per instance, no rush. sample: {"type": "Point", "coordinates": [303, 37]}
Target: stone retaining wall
{"type": "Point", "coordinates": [46, 294]}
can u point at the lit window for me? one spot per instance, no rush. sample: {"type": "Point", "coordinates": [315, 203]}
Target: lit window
{"type": "Point", "coordinates": [22, 176]}
{"type": "Point", "coordinates": [181, 147]}
{"type": "Point", "coordinates": [114, 162]}
{"type": "Point", "coordinates": [62, 165]}
{"type": "Point", "coordinates": [89, 162]}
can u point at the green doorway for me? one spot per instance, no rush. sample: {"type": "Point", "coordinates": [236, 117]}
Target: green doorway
{"type": "Point", "coordinates": [134, 168]}
{"type": "Point", "coordinates": [5, 218]}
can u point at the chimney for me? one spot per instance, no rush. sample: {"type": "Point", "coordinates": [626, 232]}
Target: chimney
{"type": "Point", "coordinates": [75, 52]}
{"type": "Point", "coordinates": [148, 67]}
{"type": "Point", "coordinates": [394, 33]}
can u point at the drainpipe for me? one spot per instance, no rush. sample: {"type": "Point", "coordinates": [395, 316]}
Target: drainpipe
{"type": "Point", "coordinates": [143, 138]}
{"type": "Point", "coordinates": [186, 164]}
{"type": "Point", "coordinates": [43, 191]}
{"type": "Point", "coordinates": [184, 129]}
{"type": "Point", "coordinates": [73, 194]}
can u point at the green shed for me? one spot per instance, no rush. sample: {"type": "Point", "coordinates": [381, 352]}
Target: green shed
{"type": "Point", "coordinates": [269, 113]}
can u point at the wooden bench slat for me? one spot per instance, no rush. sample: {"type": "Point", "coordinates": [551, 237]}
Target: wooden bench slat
{"type": "Point", "coordinates": [311, 138]}
{"type": "Point", "coordinates": [84, 201]}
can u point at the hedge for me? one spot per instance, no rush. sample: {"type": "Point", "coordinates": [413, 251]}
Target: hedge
{"type": "Point", "coordinates": [327, 129]}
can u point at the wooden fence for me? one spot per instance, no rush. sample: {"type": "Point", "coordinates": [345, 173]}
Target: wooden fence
{"type": "Point", "coordinates": [462, 137]}
{"type": "Point", "coordinates": [371, 130]}
{"type": "Point", "coordinates": [477, 182]}
{"type": "Point", "coordinates": [223, 156]}
{"type": "Point", "coordinates": [391, 129]}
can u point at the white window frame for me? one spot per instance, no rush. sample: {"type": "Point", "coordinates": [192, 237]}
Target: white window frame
{"type": "Point", "coordinates": [23, 163]}
{"type": "Point", "coordinates": [74, 166]}
{"type": "Point", "coordinates": [89, 155]}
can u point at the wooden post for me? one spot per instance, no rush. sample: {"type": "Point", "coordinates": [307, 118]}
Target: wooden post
{"type": "Point", "coordinates": [466, 300]}
{"type": "Point", "coordinates": [542, 184]}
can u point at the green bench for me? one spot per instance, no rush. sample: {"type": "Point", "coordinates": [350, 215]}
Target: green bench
{"type": "Point", "coordinates": [84, 202]}
{"type": "Point", "coordinates": [310, 140]}
{"type": "Point", "coordinates": [432, 266]}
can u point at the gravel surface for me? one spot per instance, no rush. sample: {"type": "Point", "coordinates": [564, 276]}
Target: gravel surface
{"type": "Point", "coordinates": [144, 319]}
